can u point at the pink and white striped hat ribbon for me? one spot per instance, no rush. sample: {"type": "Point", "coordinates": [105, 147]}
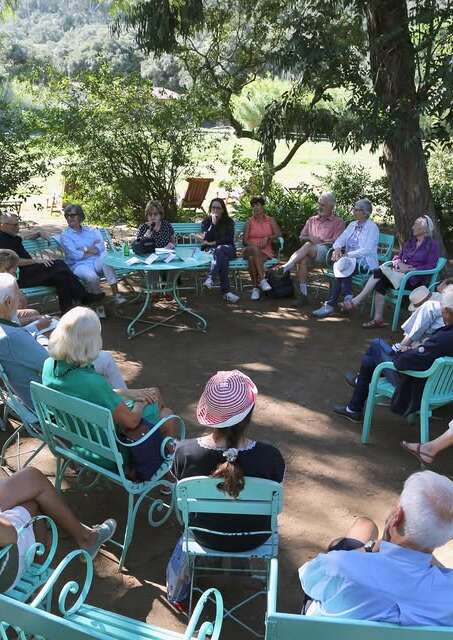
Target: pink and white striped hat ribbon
{"type": "Point", "coordinates": [226, 400]}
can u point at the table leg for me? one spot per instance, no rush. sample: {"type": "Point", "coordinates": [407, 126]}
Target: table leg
{"type": "Point", "coordinates": [201, 322]}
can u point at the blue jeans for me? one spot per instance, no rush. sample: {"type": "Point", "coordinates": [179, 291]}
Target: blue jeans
{"type": "Point", "coordinates": [340, 285]}
{"type": "Point", "coordinates": [222, 255]}
{"type": "Point", "coordinates": [378, 351]}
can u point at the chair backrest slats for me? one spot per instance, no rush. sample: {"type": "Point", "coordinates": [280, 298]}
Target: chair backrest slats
{"type": "Point", "coordinates": [440, 384]}
{"type": "Point", "coordinates": [69, 420]}
{"type": "Point", "coordinates": [385, 247]}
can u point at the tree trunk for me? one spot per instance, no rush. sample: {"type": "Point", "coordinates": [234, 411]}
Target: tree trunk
{"type": "Point", "coordinates": [268, 155]}
{"type": "Point", "coordinates": [392, 60]}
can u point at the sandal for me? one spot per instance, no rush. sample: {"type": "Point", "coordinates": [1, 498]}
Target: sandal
{"type": "Point", "coordinates": [347, 306]}
{"type": "Point", "coordinates": [418, 454]}
{"type": "Point", "coordinates": [374, 324]}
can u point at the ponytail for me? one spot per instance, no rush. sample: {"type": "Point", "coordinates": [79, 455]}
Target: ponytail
{"type": "Point", "coordinates": [230, 470]}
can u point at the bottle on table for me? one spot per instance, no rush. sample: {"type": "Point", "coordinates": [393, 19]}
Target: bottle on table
{"type": "Point", "coordinates": [126, 250]}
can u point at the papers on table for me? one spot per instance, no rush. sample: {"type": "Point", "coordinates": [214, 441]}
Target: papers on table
{"type": "Point", "coordinates": [33, 328]}
{"type": "Point", "coordinates": [161, 255]}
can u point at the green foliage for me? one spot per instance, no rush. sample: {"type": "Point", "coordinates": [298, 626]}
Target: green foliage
{"type": "Point", "coordinates": [350, 181]}
{"type": "Point", "coordinates": [291, 209]}
{"type": "Point", "coordinates": [245, 173]}
{"type": "Point", "coordinates": [123, 146]}
{"type": "Point", "coordinates": [20, 160]}
{"type": "Point", "coordinates": [440, 169]}
{"type": "Point", "coordinates": [250, 105]}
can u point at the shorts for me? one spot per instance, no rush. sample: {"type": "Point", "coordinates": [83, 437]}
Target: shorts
{"type": "Point", "coordinates": [20, 517]}
{"type": "Point", "coordinates": [321, 253]}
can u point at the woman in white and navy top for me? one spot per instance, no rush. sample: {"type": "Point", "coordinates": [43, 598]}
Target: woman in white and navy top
{"type": "Point", "coordinates": [156, 228]}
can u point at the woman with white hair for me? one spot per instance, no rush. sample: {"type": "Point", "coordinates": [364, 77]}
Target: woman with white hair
{"type": "Point", "coordinates": [74, 346]}
{"type": "Point", "coordinates": [355, 248]}
{"type": "Point", "coordinates": [420, 252]}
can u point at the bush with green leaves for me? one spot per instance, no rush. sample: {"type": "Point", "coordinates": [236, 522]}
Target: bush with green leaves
{"type": "Point", "coordinates": [291, 209]}
{"type": "Point", "coordinates": [350, 181]}
{"type": "Point", "coordinates": [20, 160]}
{"type": "Point", "coordinates": [123, 145]}
{"type": "Point", "coordinates": [440, 169]}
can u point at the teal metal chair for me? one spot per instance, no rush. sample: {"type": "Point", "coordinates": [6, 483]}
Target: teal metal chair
{"type": "Point", "coordinates": [396, 296]}
{"type": "Point", "coordinates": [37, 569]}
{"type": "Point", "coordinates": [202, 495]}
{"type": "Point", "coordinates": [290, 626]}
{"type": "Point", "coordinates": [14, 406]}
{"type": "Point", "coordinates": [437, 392]}
{"type": "Point", "coordinates": [76, 620]}
{"type": "Point", "coordinates": [83, 433]}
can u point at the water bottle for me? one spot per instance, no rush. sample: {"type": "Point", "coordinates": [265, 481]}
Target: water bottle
{"type": "Point", "coordinates": [126, 250]}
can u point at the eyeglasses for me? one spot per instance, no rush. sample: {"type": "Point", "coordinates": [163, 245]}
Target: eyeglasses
{"type": "Point", "coordinates": [71, 215]}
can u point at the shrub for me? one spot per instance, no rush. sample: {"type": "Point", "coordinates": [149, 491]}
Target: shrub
{"type": "Point", "coordinates": [440, 169]}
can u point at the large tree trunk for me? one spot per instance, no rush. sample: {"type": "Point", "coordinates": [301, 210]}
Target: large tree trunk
{"type": "Point", "coordinates": [392, 59]}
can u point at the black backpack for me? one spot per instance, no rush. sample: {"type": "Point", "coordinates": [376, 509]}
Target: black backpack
{"type": "Point", "coordinates": [143, 247]}
{"type": "Point", "coordinates": [281, 283]}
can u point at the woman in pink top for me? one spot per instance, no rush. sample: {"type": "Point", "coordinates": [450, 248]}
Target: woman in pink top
{"type": "Point", "coordinates": [259, 232]}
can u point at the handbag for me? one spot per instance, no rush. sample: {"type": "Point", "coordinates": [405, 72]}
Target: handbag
{"type": "Point", "coordinates": [143, 247]}
{"type": "Point", "coordinates": [145, 458]}
{"type": "Point", "coordinates": [393, 276]}
{"type": "Point", "coordinates": [282, 286]}
{"type": "Point", "coordinates": [178, 575]}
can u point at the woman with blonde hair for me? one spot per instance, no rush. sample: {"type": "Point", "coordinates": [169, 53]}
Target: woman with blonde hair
{"type": "Point", "coordinates": [73, 347]}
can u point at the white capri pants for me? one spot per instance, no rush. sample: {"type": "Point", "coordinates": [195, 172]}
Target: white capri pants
{"type": "Point", "coordinates": [89, 273]}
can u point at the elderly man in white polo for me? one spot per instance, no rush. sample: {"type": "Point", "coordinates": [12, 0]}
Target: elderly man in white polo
{"type": "Point", "coordinates": [318, 234]}
{"type": "Point", "coordinates": [394, 579]}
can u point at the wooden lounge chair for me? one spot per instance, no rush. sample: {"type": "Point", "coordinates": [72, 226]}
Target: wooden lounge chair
{"type": "Point", "coordinates": [197, 188]}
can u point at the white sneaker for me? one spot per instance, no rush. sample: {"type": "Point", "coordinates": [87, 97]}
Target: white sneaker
{"type": "Point", "coordinates": [264, 285]}
{"type": "Point", "coordinates": [231, 297]}
{"type": "Point", "coordinates": [255, 295]}
{"type": "Point", "coordinates": [208, 283]}
{"type": "Point", "coordinates": [324, 311]}
{"type": "Point", "coordinates": [119, 299]}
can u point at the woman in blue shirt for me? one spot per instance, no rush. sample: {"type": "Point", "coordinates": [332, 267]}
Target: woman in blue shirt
{"type": "Point", "coordinates": [218, 236]}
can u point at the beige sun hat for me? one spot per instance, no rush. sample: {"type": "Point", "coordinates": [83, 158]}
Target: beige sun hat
{"type": "Point", "coordinates": [344, 267]}
{"type": "Point", "coordinates": [420, 295]}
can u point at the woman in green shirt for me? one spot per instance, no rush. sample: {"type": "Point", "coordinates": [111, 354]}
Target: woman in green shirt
{"type": "Point", "coordinates": [73, 347]}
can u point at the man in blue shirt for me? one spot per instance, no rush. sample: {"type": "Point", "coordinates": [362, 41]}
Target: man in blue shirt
{"type": "Point", "coordinates": [84, 251]}
{"type": "Point", "coordinates": [20, 355]}
{"type": "Point", "coordinates": [399, 581]}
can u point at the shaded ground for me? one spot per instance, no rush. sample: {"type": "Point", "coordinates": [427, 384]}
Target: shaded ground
{"type": "Point", "coordinates": [297, 364]}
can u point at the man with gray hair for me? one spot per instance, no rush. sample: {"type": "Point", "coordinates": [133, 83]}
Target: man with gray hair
{"type": "Point", "coordinates": [317, 235]}
{"type": "Point", "coordinates": [398, 581]}
{"type": "Point", "coordinates": [408, 390]}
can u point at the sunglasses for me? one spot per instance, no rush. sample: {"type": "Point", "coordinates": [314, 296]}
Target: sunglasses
{"type": "Point", "coordinates": [71, 215]}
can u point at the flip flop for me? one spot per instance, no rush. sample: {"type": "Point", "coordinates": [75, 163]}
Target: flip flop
{"type": "Point", "coordinates": [375, 324]}
{"type": "Point", "coordinates": [417, 454]}
{"type": "Point", "coordinates": [104, 532]}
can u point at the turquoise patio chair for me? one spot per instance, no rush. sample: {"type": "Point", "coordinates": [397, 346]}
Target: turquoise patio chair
{"type": "Point", "coordinates": [395, 296]}
{"type": "Point", "coordinates": [84, 433]}
{"type": "Point", "coordinates": [291, 626]}
{"type": "Point", "coordinates": [14, 406]}
{"type": "Point", "coordinates": [437, 392]}
{"type": "Point", "coordinates": [259, 497]}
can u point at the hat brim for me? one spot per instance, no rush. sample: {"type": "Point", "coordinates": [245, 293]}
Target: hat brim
{"type": "Point", "coordinates": [230, 422]}
{"type": "Point", "coordinates": [342, 274]}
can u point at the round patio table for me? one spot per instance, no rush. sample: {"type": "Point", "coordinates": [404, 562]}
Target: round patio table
{"type": "Point", "coordinates": [187, 259]}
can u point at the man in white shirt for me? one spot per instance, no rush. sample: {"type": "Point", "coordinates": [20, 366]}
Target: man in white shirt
{"type": "Point", "coordinates": [84, 251]}
{"type": "Point", "coordinates": [399, 581]}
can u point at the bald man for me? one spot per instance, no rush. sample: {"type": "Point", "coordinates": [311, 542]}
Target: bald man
{"type": "Point", "coordinates": [34, 272]}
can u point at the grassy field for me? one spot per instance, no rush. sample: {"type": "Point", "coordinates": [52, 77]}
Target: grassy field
{"type": "Point", "coordinates": [311, 160]}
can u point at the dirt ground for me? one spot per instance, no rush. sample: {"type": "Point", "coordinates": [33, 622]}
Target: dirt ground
{"type": "Point", "coordinates": [298, 365]}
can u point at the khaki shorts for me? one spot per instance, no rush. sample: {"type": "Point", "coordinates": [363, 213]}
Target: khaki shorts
{"type": "Point", "coordinates": [321, 253]}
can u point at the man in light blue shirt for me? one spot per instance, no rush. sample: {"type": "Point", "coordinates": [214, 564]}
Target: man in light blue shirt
{"type": "Point", "coordinates": [84, 251]}
{"type": "Point", "coordinates": [399, 581]}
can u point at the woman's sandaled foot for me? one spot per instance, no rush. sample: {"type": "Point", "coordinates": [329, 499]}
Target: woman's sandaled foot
{"type": "Point", "coordinates": [347, 306]}
{"type": "Point", "coordinates": [424, 458]}
{"type": "Point", "coordinates": [374, 324]}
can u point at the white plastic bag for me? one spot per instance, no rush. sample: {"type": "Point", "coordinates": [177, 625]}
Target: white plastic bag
{"type": "Point", "coordinates": [178, 575]}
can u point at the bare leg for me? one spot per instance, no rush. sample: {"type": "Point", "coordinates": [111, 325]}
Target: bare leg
{"type": "Point", "coordinates": [379, 303]}
{"type": "Point", "coordinates": [114, 288]}
{"type": "Point", "coordinates": [367, 289]}
{"type": "Point", "coordinates": [363, 529]}
{"type": "Point", "coordinates": [250, 253]}
{"type": "Point", "coordinates": [308, 250]}
{"type": "Point", "coordinates": [259, 265]}
{"type": "Point", "coordinates": [170, 427]}
{"type": "Point", "coordinates": [429, 450]}
{"type": "Point", "coordinates": [31, 486]}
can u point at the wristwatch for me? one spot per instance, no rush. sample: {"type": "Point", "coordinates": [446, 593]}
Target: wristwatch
{"type": "Point", "coordinates": [85, 249]}
{"type": "Point", "coordinates": [369, 546]}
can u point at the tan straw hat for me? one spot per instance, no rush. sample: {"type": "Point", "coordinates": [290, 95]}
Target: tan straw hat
{"type": "Point", "coordinates": [418, 296]}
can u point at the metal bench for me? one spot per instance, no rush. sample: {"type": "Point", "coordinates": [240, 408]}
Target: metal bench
{"type": "Point", "coordinates": [80, 621]}
{"type": "Point", "coordinates": [290, 626]}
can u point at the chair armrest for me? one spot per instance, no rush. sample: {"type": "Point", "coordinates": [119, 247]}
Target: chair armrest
{"type": "Point", "coordinates": [156, 427]}
{"type": "Point", "coordinates": [272, 588]}
{"type": "Point", "coordinates": [421, 374]}
{"type": "Point", "coordinates": [70, 587]}
{"type": "Point", "coordinates": [380, 368]}
{"type": "Point", "coordinates": [207, 628]}
{"type": "Point", "coordinates": [416, 272]}
{"type": "Point", "coordinates": [281, 243]}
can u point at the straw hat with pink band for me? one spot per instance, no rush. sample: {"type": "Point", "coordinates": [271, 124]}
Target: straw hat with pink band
{"type": "Point", "coordinates": [227, 399]}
